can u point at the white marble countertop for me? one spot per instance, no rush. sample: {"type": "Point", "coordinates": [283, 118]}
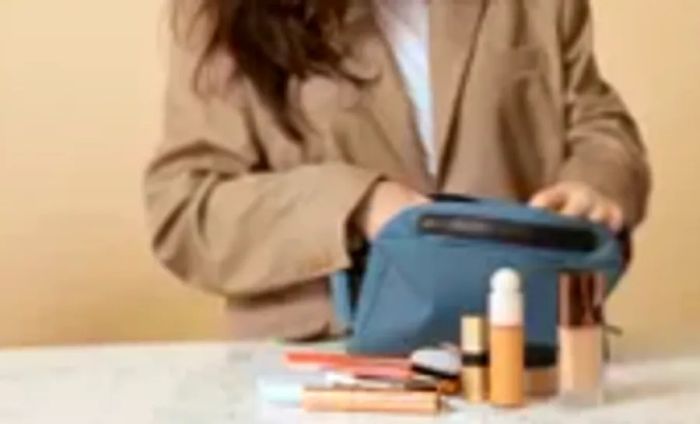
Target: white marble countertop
{"type": "Point", "coordinates": [214, 383]}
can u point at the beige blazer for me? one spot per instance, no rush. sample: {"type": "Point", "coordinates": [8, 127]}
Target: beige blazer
{"type": "Point", "coordinates": [239, 209]}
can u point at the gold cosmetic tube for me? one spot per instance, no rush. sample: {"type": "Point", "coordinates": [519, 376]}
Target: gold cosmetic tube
{"type": "Point", "coordinates": [475, 371]}
{"type": "Point", "coordinates": [382, 401]}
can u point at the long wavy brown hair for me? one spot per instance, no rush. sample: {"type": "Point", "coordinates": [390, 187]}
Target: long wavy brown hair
{"type": "Point", "coordinates": [272, 41]}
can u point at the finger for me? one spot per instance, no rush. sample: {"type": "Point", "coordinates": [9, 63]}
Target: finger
{"type": "Point", "coordinates": [419, 199]}
{"type": "Point", "coordinates": [616, 219]}
{"type": "Point", "coordinates": [552, 198]}
{"type": "Point", "coordinates": [601, 214]}
{"type": "Point", "coordinates": [578, 204]}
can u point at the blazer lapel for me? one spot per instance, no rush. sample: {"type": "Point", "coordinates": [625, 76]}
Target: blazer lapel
{"type": "Point", "coordinates": [387, 104]}
{"type": "Point", "coordinates": [455, 26]}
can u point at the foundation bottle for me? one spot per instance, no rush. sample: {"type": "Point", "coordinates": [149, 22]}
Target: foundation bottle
{"type": "Point", "coordinates": [506, 340]}
{"type": "Point", "coordinates": [581, 299]}
{"type": "Point", "coordinates": [475, 361]}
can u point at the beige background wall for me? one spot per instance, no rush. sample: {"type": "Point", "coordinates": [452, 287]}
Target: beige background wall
{"type": "Point", "coordinates": [79, 112]}
{"type": "Point", "coordinates": [80, 85]}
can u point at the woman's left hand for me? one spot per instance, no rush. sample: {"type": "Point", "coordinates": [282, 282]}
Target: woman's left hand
{"type": "Point", "coordinates": [576, 199]}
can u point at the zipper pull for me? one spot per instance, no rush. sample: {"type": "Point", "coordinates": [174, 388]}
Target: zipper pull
{"type": "Point", "coordinates": [610, 331]}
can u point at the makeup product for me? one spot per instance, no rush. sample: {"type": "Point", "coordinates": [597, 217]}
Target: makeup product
{"type": "Point", "coordinates": [475, 360]}
{"type": "Point", "coordinates": [330, 359]}
{"type": "Point", "coordinates": [541, 371]}
{"type": "Point", "coordinates": [339, 379]}
{"type": "Point", "coordinates": [361, 400]}
{"type": "Point", "coordinates": [581, 299]}
{"type": "Point", "coordinates": [449, 387]}
{"type": "Point", "coordinates": [287, 389]}
{"type": "Point", "coordinates": [375, 371]}
{"type": "Point", "coordinates": [441, 365]}
{"type": "Point", "coordinates": [417, 382]}
{"type": "Point", "coordinates": [360, 366]}
{"type": "Point", "coordinates": [506, 340]}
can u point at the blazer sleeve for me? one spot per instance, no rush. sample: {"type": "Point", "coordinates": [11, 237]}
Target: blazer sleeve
{"type": "Point", "coordinates": [603, 142]}
{"type": "Point", "coordinates": [219, 219]}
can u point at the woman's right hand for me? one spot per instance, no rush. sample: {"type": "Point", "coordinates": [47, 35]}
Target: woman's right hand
{"type": "Point", "coordinates": [386, 200]}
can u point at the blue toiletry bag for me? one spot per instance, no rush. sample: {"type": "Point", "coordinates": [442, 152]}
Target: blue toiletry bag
{"type": "Point", "coordinates": [432, 264]}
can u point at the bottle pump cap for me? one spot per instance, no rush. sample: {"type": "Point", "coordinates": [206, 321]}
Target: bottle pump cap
{"type": "Point", "coordinates": [506, 300]}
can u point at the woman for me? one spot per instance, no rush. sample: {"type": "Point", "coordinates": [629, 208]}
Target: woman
{"type": "Point", "coordinates": [297, 128]}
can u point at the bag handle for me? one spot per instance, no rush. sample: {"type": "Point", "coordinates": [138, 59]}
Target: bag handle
{"type": "Point", "coordinates": [504, 231]}
{"type": "Point", "coordinates": [453, 198]}
{"type": "Point", "coordinates": [624, 237]}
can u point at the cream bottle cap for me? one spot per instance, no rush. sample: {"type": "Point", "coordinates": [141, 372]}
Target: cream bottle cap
{"type": "Point", "coordinates": [506, 300]}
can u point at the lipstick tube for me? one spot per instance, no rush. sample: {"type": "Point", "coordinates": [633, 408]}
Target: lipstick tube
{"type": "Point", "coordinates": [580, 316]}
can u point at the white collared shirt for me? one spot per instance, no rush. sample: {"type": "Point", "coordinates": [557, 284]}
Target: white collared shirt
{"type": "Point", "coordinates": [405, 24]}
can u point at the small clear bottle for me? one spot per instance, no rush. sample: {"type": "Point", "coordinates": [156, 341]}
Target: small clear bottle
{"type": "Point", "coordinates": [581, 317]}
